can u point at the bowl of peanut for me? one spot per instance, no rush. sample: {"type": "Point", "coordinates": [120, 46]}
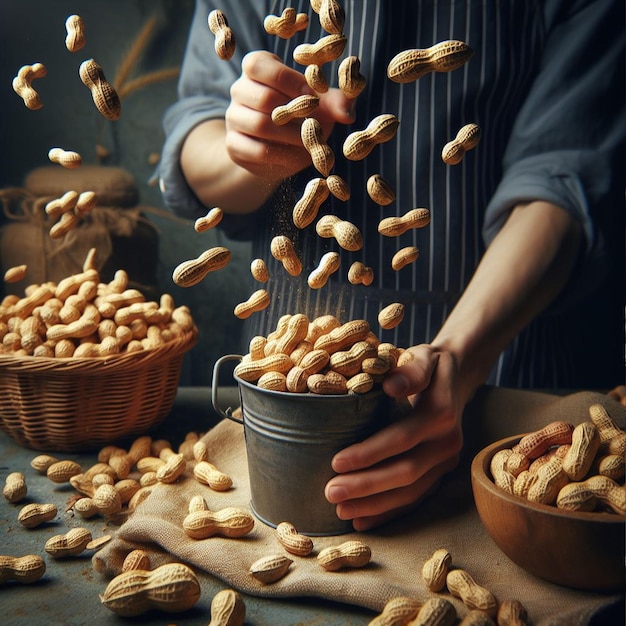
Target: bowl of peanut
{"type": "Point", "coordinates": [554, 501]}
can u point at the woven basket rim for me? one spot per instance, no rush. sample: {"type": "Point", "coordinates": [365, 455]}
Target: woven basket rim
{"type": "Point", "coordinates": [114, 362]}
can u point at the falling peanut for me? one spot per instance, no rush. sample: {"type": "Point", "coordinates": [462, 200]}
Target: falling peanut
{"type": "Point", "coordinates": [379, 190]}
{"type": "Point", "coordinates": [338, 187]}
{"type": "Point", "coordinates": [446, 56]}
{"type": "Point", "coordinates": [466, 139]}
{"type": "Point", "coordinates": [331, 16]}
{"type": "Point", "coordinates": [301, 106]}
{"type": "Point", "coordinates": [210, 220]}
{"type": "Point", "coordinates": [307, 207]}
{"type": "Point", "coordinates": [404, 257]}
{"type": "Point", "coordinates": [360, 274]}
{"type": "Point", "coordinates": [313, 140]}
{"type": "Point", "coordinates": [66, 158]}
{"type": "Point", "coordinates": [329, 263]}
{"type": "Point", "coordinates": [64, 204]}
{"type": "Point", "coordinates": [360, 143]}
{"type": "Point", "coordinates": [102, 92]}
{"type": "Point", "coordinates": [323, 51]}
{"type": "Point", "coordinates": [191, 272]}
{"type": "Point", "coordinates": [86, 201]}
{"type": "Point", "coordinates": [351, 81]}
{"type": "Point", "coordinates": [287, 24]}
{"type": "Point", "coordinates": [224, 37]}
{"type": "Point", "coordinates": [23, 87]}
{"type": "Point", "coordinates": [396, 226]}
{"type": "Point", "coordinates": [258, 301]}
{"type": "Point", "coordinates": [259, 270]}
{"type": "Point", "coordinates": [348, 236]}
{"type": "Point", "coordinates": [315, 78]}
{"type": "Point", "coordinates": [15, 274]}
{"type": "Point", "coordinates": [75, 39]}
{"type": "Point", "coordinates": [282, 250]}
{"type": "Point", "coordinates": [391, 315]}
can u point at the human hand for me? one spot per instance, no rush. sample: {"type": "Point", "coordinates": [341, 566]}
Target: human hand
{"type": "Point", "coordinates": [390, 472]}
{"type": "Point", "coordinates": [253, 141]}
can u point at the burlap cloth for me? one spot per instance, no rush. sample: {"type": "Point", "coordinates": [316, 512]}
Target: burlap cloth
{"type": "Point", "coordinates": [448, 519]}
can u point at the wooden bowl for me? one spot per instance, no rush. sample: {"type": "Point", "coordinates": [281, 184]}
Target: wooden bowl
{"type": "Point", "coordinates": [574, 549]}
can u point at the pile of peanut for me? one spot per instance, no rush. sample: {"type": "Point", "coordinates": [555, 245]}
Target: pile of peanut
{"type": "Point", "coordinates": [114, 486]}
{"type": "Point", "coordinates": [321, 356]}
{"type": "Point", "coordinates": [111, 489]}
{"type": "Point", "coordinates": [81, 317]}
{"type": "Point", "coordinates": [405, 67]}
{"type": "Point", "coordinates": [574, 468]}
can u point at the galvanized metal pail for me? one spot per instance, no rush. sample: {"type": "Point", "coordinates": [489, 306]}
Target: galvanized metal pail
{"type": "Point", "coordinates": [290, 441]}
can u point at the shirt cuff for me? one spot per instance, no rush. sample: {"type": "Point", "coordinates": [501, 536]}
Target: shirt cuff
{"type": "Point", "coordinates": [178, 122]}
{"type": "Point", "coordinates": [556, 177]}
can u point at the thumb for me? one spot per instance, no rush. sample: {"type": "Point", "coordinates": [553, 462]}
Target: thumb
{"type": "Point", "coordinates": [412, 377]}
{"type": "Point", "coordinates": [336, 107]}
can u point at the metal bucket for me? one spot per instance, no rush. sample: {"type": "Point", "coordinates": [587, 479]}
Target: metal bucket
{"type": "Point", "coordinates": [290, 441]}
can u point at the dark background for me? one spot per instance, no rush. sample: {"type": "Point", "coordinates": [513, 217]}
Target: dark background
{"type": "Point", "coordinates": [34, 31]}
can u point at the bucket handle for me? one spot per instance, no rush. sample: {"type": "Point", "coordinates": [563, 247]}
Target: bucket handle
{"type": "Point", "coordinates": [228, 413]}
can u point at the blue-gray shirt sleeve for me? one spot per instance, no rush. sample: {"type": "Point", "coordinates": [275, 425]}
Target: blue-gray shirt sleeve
{"type": "Point", "coordinates": [567, 144]}
{"type": "Point", "coordinates": [203, 94]}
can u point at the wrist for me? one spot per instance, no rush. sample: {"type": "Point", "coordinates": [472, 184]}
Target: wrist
{"type": "Point", "coordinates": [473, 359]}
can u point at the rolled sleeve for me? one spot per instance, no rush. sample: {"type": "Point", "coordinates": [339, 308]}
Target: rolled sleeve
{"type": "Point", "coordinates": [178, 122]}
{"type": "Point", "coordinates": [203, 94]}
{"type": "Point", "coordinates": [567, 144]}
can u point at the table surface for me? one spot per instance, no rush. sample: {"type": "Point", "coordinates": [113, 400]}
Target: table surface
{"type": "Point", "coordinates": [69, 591]}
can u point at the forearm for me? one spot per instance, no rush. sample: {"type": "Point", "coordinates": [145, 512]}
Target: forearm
{"type": "Point", "coordinates": [522, 271]}
{"type": "Point", "coordinates": [213, 176]}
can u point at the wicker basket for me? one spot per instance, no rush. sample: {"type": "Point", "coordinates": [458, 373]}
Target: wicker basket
{"type": "Point", "coordinates": [74, 404]}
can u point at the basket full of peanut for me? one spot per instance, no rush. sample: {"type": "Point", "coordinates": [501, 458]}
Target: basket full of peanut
{"type": "Point", "coordinates": [83, 362]}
